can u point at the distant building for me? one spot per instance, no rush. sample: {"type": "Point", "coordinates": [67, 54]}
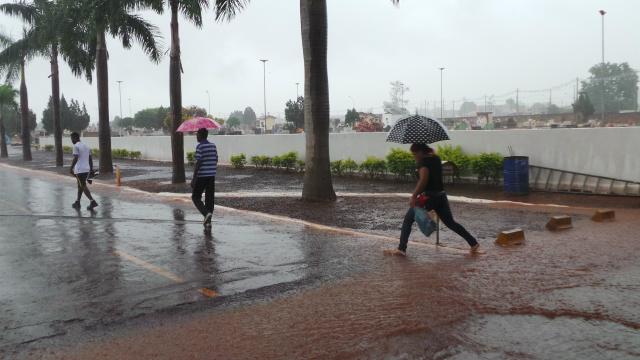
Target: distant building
{"type": "Point", "coordinates": [268, 124]}
{"type": "Point", "coordinates": [484, 118]}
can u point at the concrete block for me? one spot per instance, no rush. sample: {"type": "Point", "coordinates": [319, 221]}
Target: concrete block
{"type": "Point", "coordinates": [511, 237]}
{"type": "Point", "coordinates": [604, 215]}
{"type": "Point", "coordinates": [559, 223]}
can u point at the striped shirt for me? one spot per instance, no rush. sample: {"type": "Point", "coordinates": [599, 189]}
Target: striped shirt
{"type": "Point", "coordinates": [208, 154]}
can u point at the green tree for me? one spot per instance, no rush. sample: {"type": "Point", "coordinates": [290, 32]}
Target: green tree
{"type": "Point", "coordinates": [511, 104]}
{"type": "Point", "coordinates": [236, 114]}
{"type": "Point", "coordinates": [397, 103]}
{"type": "Point", "coordinates": [8, 97]}
{"type": "Point", "coordinates": [619, 83]}
{"type": "Point", "coordinates": [294, 112]}
{"type": "Point", "coordinates": [554, 109]}
{"type": "Point", "coordinates": [49, 21]}
{"type": "Point", "coordinates": [233, 122]}
{"type": "Point", "coordinates": [97, 18]}
{"type": "Point", "coordinates": [73, 117]}
{"type": "Point", "coordinates": [468, 107]}
{"type": "Point", "coordinates": [151, 118]}
{"type": "Point", "coordinates": [351, 117]}
{"type": "Point", "coordinates": [583, 106]}
{"type": "Point", "coordinates": [249, 117]}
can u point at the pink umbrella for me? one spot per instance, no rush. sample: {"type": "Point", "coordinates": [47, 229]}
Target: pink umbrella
{"type": "Point", "coordinates": [198, 123]}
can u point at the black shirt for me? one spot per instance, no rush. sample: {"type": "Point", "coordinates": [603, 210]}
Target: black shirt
{"type": "Point", "coordinates": [434, 164]}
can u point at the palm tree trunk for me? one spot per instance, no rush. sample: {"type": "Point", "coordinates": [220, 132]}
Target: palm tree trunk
{"type": "Point", "coordinates": [24, 110]}
{"type": "Point", "coordinates": [104, 132]}
{"type": "Point", "coordinates": [175, 94]}
{"type": "Point", "coordinates": [317, 177]}
{"type": "Point", "coordinates": [55, 93]}
{"type": "Point", "coordinates": [3, 142]}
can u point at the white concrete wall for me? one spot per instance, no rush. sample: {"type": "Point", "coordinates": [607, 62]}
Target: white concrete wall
{"type": "Point", "coordinates": [610, 152]}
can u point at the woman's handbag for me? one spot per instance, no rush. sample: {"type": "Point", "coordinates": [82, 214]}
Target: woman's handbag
{"type": "Point", "coordinates": [426, 224]}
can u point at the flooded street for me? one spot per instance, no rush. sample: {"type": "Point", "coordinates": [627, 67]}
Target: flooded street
{"type": "Point", "coordinates": [139, 278]}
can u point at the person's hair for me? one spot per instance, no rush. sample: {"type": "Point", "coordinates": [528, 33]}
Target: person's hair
{"type": "Point", "coordinates": [75, 135]}
{"type": "Point", "coordinates": [424, 148]}
{"type": "Point", "coordinates": [204, 133]}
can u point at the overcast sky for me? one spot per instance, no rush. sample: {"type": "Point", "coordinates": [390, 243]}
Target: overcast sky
{"type": "Point", "coordinates": [487, 47]}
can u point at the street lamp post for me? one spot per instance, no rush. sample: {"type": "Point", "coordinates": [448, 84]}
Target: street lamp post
{"type": "Point", "coordinates": [264, 74]}
{"type": "Point", "coordinates": [209, 97]}
{"type": "Point", "coordinates": [441, 104]}
{"type": "Point", "coordinates": [129, 107]}
{"type": "Point", "coordinates": [602, 12]}
{"type": "Point", "coordinates": [297, 96]}
{"type": "Point", "coordinates": [120, 92]}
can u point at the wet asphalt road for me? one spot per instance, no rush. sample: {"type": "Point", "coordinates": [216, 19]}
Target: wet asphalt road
{"type": "Point", "coordinates": [66, 273]}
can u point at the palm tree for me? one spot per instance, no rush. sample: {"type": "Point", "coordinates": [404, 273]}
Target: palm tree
{"type": "Point", "coordinates": [7, 97]}
{"type": "Point", "coordinates": [113, 17]}
{"type": "Point", "coordinates": [12, 61]}
{"type": "Point", "coordinates": [49, 21]}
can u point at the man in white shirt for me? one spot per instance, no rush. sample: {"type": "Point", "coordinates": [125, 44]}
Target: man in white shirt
{"type": "Point", "coordinates": [81, 166]}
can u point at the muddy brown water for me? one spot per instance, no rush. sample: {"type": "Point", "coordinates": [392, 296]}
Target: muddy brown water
{"type": "Point", "coordinates": [572, 295]}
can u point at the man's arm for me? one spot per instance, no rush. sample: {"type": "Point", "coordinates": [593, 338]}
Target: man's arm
{"type": "Point", "coordinates": [73, 164]}
{"type": "Point", "coordinates": [195, 173]}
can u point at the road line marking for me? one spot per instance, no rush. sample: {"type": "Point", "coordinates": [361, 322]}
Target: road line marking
{"type": "Point", "coordinates": [17, 207]}
{"type": "Point", "coordinates": [159, 271]}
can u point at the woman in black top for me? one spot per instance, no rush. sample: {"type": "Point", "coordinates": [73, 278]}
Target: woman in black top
{"type": "Point", "coordinates": [430, 184]}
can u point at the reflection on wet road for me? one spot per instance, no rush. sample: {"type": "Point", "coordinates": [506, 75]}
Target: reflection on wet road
{"type": "Point", "coordinates": [303, 292]}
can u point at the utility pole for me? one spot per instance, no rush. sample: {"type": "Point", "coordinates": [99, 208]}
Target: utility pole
{"type": "Point", "coordinates": [120, 92]}
{"type": "Point", "coordinates": [264, 74]}
{"type": "Point", "coordinates": [602, 12]}
{"type": "Point", "coordinates": [441, 99]}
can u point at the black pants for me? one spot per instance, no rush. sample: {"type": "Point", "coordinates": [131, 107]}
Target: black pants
{"type": "Point", "coordinates": [440, 203]}
{"type": "Point", "coordinates": [208, 186]}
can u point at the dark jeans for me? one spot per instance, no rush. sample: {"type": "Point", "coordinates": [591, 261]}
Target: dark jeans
{"type": "Point", "coordinates": [440, 203]}
{"type": "Point", "coordinates": [208, 186]}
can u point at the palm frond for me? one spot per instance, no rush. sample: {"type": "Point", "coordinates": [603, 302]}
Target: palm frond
{"type": "Point", "coordinates": [27, 12]}
{"type": "Point", "coordinates": [146, 34]}
{"type": "Point", "coordinates": [227, 9]}
{"type": "Point", "coordinates": [192, 10]}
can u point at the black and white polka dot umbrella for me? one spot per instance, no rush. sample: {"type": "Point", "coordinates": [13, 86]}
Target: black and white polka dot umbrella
{"type": "Point", "coordinates": [418, 129]}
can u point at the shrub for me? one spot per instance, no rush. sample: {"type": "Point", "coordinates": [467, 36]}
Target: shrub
{"type": "Point", "coordinates": [301, 165]}
{"type": "Point", "coordinates": [401, 163]}
{"type": "Point", "coordinates": [191, 158]}
{"type": "Point", "coordinates": [456, 156]}
{"type": "Point", "coordinates": [374, 166]}
{"type": "Point", "coordinates": [120, 153]}
{"type": "Point", "coordinates": [349, 166]}
{"type": "Point", "coordinates": [265, 161]}
{"type": "Point", "coordinates": [336, 168]}
{"type": "Point", "coordinates": [255, 161]}
{"type": "Point", "coordinates": [48, 147]}
{"type": "Point", "coordinates": [36, 146]}
{"type": "Point", "coordinates": [276, 162]}
{"type": "Point", "coordinates": [67, 149]}
{"type": "Point", "coordinates": [238, 161]}
{"type": "Point", "coordinates": [135, 155]}
{"type": "Point", "coordinates": [487, 166]}
{"type": "Point", "coordinates": [289, 160]}
{"type": "Point", "coordinates": [95, 152]}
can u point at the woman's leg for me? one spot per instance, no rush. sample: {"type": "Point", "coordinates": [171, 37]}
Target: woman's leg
{"type": "Point", "coordinates": [407, 223]}
{"type": "Point", "coordinates": [443, 210]}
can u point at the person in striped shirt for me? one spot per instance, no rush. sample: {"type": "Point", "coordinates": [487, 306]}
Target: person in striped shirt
{"type": "Point", "coordinates": [204, 176]}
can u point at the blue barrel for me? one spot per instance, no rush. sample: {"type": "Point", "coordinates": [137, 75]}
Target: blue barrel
{"type": "Point", "coordinates": [516, 175]}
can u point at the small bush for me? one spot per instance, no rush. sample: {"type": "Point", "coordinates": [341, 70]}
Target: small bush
{"type": "Point", "coordinates": [265, 161]}
{"type": "Point", "coordinates": [401, 163]}
{"type": "Point", "coordinates": [487, 166]}
{"type": "Point", "coordinates": [191, 158]}
{"type": "Point", "coordinates": [289, 160]}
{"type": "Point", "coordinates": [301, 165]}
{"type": "Point", "coordinates": [276, 162]}
{"type": "Point", "coordinates": [349, 166]}
{"type": "Point", "coordinates": [49, 147]}
{"type": "Point", "coordinates": [135, 155]}
{"type": "Point", "coordinates": [36, 146]}
{"type": "Point", "coordinates": [374, 166]}
{"type": "Point", "coordinates": [456, 156]}
{"type": "Point", "coordinates": [238, 161]}
{"type": "Point", "coordinates": [95, 152]}
{"type": "Point", "coordinates": [67, 149]}
{"type": "Point", "coordinates": [120, 153]}
{"type": "Point", "coordinates": [336, 168]}
{"type": "Point", "coordinates": [255, 161]}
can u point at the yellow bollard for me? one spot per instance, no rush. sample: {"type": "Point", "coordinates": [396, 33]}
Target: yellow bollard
{"type": "Point", "coordinates": [511, 237]}
{"type": "Point", "coordinates": [118, 175]}
{"type": "Point", "coordinates": [559, 223]}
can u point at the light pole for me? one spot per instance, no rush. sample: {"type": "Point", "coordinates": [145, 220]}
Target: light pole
{"type": "Point", "coordinates": [129, 107]}
{"type": "Point", "coordinates": [602, 12]}
{"type": "Point", "coordinates": [209, 97]}
{"type": "Point", "coordinates": [402, 98]}
{"type": "Point", "coordinates": [353, 102]}
{"type": "Point", "coordinates": [297, 96]}
{"type": "Point", "coordinates": [120, 92]}
{"type": "Point", "coordinates": [441, 104]}
{"type": "Point", "coordinates": [264, 74]}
